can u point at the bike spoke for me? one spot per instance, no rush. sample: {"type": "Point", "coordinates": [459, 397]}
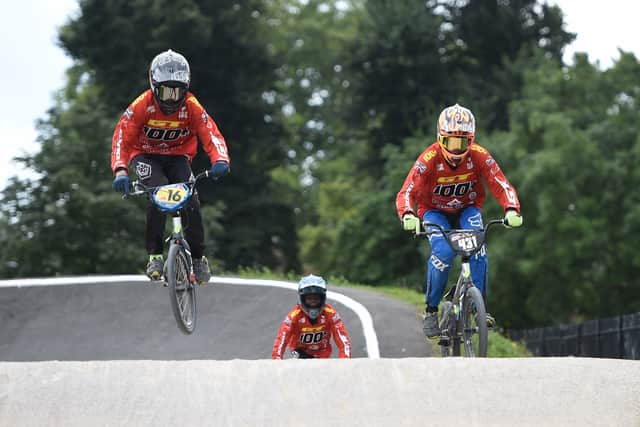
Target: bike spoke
{"type": "Point", "coordinates": [183, 293]}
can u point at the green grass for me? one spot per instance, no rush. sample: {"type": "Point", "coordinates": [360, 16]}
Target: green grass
{"type": "Point", "coordinates": [499, 345]}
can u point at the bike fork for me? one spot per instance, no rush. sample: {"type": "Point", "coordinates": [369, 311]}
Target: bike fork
{"type": "Point", "coordinates": [177, 235]}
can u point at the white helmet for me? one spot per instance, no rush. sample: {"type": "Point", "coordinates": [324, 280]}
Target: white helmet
{"type": "Point", "coordinates": [309, 285]}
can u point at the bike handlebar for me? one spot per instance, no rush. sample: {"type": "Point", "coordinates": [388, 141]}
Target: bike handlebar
{"type": "Point", "coordinates": [427, 233]}
{"type": "Point", "coordinates": [140, 189]}
{"type": "Point", "coordinates": [465, 247]}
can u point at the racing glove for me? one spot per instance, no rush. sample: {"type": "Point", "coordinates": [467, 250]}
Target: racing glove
{"type": "Point", "coordinates": [299, 353]}
{"type": "Point", "coordinates": [410, 222]}
{"type": "Point", "coordinates": [121, 183]}
{"type": "Point", "coordinates": [512, 219]}
{"type": "Point", "coordinates": [219, 169]}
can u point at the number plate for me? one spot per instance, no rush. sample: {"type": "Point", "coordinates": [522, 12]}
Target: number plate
{"type": "Point", "coordinates": [170, 198]}
{"type": "Point", "coordinates": [465, 241]}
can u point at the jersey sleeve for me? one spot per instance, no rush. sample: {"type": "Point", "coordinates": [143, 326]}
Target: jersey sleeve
{"type": "Point", "coordinates": [213, 142]}
{"type": "Point", "coordinates": [127, 130]}
{"type": "Point", "coordinates": [340, 335]}
{"type": "Point", "coordinates": [413, 183]}
{"type": "Point", "coordinates": [283, 336]}
{"type": "Point", "coordinates": [498, 184]}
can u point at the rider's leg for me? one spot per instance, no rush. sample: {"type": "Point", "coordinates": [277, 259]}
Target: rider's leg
{"type": "Point", "coordinates": [180, 171]}
{"type": "Point", "coordinates": [150, 172]}
{"type": "Point", "coordinates": [471, 217]}
{"type": "Point", "coordinates": [438, 268]}
{"type": "Point", "coordinates": [440, 260]}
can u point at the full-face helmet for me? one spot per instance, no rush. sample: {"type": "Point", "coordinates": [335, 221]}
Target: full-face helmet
{"type": "Point", "coordinates": [169, 78]}
{"type": "Point", "coordinates": [312, 295]}
{"type": "Point", "coordinates": [456, 132]}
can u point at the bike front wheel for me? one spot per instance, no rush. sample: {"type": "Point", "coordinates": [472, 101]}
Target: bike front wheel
{"type": "Point", "coordinates": [182, 290]}
{"type": "Point", "coordinates": [474, 324]}
{"type": "Point", "coordinates": [449, 341]}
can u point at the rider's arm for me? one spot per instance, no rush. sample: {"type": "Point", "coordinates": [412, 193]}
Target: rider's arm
{"type": "Point", "coordinates": [282, 338]}
{"type": "Point", "coordinates": [213, 142]}
{"type": "Point", "coordinates": [414, 183]}
{"type": "Point", "coordinates": [339, 332]}
{"type": "Point", "coordinates": [498, 184]}
{"type": "Point", "coordinates": [126, 132]}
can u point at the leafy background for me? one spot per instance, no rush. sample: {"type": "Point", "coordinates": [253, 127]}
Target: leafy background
{"type": "Point", "coordinates": [325, 105]}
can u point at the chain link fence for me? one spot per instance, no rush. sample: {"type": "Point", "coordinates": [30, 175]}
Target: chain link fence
{"type": "Point", "coordinates": [615, 337]}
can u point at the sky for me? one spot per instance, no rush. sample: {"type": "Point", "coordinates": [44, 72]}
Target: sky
{"type": "Point", "coordinates": [36, 65]}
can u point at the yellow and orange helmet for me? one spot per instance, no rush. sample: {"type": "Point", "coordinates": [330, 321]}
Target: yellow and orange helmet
{"type": "Point", "coordinates": [456, 132]}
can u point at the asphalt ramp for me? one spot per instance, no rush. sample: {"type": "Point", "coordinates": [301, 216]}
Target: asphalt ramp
{"type": "Point", "coordinates": [332, 392]}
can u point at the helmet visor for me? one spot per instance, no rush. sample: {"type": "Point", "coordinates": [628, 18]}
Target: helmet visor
{"type": "Point", "coordinates": [456, 144]}
{"type": "Point", "coordinates": [170, 94]}
{"type": "Point", "coordinates": [312, 300]}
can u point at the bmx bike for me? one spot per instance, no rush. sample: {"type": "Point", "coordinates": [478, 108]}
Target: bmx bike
{"type": "Point", "coordinates": [178, 269]}
{"type": "Point", "coordinates": [463, 314]}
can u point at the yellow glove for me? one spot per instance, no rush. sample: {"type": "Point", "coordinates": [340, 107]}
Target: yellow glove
{"type": "Point", "coordinates": [410, 222]}
{"type": "Point", "coordinates": [512, 218]}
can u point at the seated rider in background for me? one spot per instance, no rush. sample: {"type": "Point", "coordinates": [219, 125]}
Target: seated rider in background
{"type": "Point", "coordinates": [308, 327]}
{"type": "Point", "coordinates": [445, 184]}
{"type": "Point", "coordinates": [157, 136]}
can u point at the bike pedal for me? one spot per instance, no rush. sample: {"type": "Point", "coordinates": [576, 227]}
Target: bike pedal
{"type": "Point", "coordinates": [158, 282]}
{"type": "Point", "coordinates": [442, 340]}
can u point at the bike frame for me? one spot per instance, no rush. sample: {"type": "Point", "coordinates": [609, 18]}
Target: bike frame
{"type": "Point", "coordinates": [178, 274]}
{"type": "Point", "coordinates": [467, 243]}
{"type": "Point", "coordinates": [177, 238]}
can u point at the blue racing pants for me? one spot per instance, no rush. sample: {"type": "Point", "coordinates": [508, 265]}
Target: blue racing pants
{"type": "Point", "coordinates": [442, 255]}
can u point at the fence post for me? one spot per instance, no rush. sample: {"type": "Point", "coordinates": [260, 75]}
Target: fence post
{"type": "Point", "coordinates": [579, 339]}
{"type": "Point", "coordinates": [597, 339]}
{"type": "Point", "coordinates": [621, 340]}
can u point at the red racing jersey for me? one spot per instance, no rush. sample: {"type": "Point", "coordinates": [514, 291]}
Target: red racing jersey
{"type": "Point", "coordinates": [144, 128]}
{"type": "Point", "coordinates": [433, 184]}
{"type": "Point", "coordinates": [297, 332]}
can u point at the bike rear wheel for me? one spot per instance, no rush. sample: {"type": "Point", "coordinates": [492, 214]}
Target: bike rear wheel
{"type": "Point", "coordinates": [182, 290]}
{"type": "Point", "coordinates": [474, 324]}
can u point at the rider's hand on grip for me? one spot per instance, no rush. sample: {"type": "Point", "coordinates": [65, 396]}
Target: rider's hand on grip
{"type": "Point", "coordinates": [410, 222]}
{"type": "Point", "coordinates": [298, 353]}
{"type": "Point", "coordinates": [121, 183]}
{"type": "Point", "coordinates": [219, 169]}
{"type": "Point", "coordinates": [512, 218]}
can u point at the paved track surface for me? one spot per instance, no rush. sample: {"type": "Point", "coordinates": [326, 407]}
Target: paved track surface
{"type": "Point", "coordinates": [359, 392]}
{"type": "Point", "coordinates": [111, 354]}
{"type": "Point", "coordinates": [133, 320]}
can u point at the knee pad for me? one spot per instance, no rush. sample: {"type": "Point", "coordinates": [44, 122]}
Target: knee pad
{"type": "Point", "coordinates": [439, 264]}
{"type": "Point", "coordinates": [441, 250]}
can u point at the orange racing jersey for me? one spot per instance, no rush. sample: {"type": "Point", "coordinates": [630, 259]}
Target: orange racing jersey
{"type": "Point", "coordinates": [433, 184]}
{"type": "Point", "coordinates": [144, 128]}
{"type": "Point", "coordinates": [297, 332]}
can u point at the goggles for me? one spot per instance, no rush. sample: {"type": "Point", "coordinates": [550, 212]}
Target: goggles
{"type": "Point", "coordinates": [312, 300]}
{"type": "Point", "coordinates": [455, 144]}
{"type": "Point", "coordinates": [172, 94]}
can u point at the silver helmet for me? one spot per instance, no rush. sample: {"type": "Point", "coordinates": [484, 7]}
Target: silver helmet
{"type": "Point", "coordinates": [169, 78]}
{"type": "Point", "coordinates": [309, 285]}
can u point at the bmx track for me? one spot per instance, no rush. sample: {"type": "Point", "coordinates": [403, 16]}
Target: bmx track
{"type": "Point", "coordinates": [106, 352]}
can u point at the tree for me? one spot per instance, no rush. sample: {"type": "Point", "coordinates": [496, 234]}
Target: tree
{"type": "Point", "coordinates": [410, 60]}
{"type": "Point", "coordinates": [572, 150]}
{"type": "Point", "coordinates": [231, 72]}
